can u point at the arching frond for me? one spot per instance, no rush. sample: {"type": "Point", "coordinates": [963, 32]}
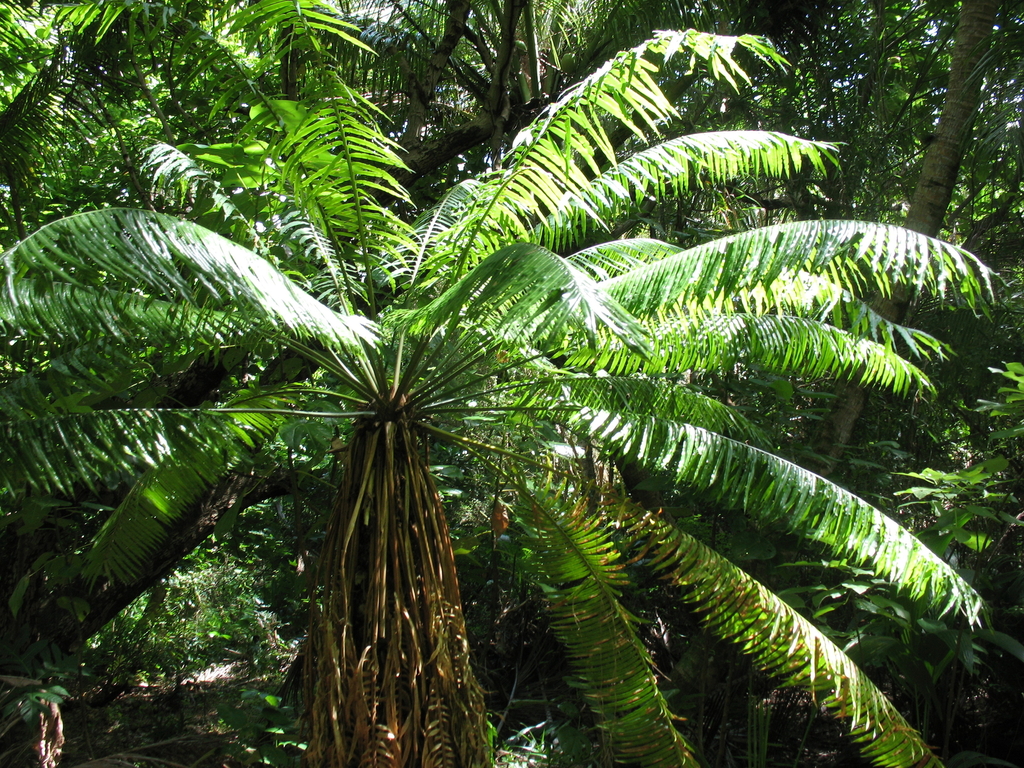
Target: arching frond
{"type": "Point", "coordinates": [135, 529]}
{"type": "Point", "coordinates": [403, 37]}
{"type": "Point", "coordinates": [739, 609]}
{"type": "Point", "coordinates": [56, 452]}
{"type": "Point", "coordinates": [432, 224]}
{"type": "Point", "coordinates": [528, 294]}
{"type": "Point", "coordinates": [92, 375]}
{"type": "Point", "coordinates": [618, 257]}
{"type": "Point", "coordinates": [777, 491]}
{"type": "Point", "coordinates": [555, 160]}
{"type": "Point", "coordinates": [644, 397]}
{"type": "Point", "coordinates": [334, 165]}
{"type": "Point", "coordinates": [173, 168]}
{"type": "Point", "coordinates": [32, 119]}
{"type": "Point", "coordinates": [165, 257]}
{"type": "Point", "coordinates": [791, 292]}
{"type": "Point", "coordinates": [61, 318]}
{"type": "Point", "coordinates": [305, 20]}
{"type": "Point", "coordinates": [334, 145]}
{"type": "Point", "coordinates": [582, 575]}
{"type": "Point", "coordinates": [862, 257]}
{"type": "Point", "coordinates": [676, 167]}
{"type": "Point", "coordinates": [786, 345]}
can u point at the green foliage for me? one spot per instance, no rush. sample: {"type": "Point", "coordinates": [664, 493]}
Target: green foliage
{"type": "Point", "coordinates": [965, 506]}
{"type": "Point", "coordinates": [1012, 405]}
{"type": "Point", "coordinates": [267, 730]}
{"type": "Point", "coordinates": [220, 612]}
{"type": "Point", "coordinates": [583, 580]}
{"type": "Point", "coordinates": [28, 683]}
{"type": "Point", "coordinates": [496, 324]}
{"type": "Point", "coordinates": [781, 641]}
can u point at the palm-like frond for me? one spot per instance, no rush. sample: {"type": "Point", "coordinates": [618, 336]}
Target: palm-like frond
{"type": "Point", "coordinates": [134, 530]}
{"type": "Point", "coordinates": [644, 397]}
{"type": "Point", "coordinates": [334, 147]}
{"type": "Point", "coordinates": [859, 256]}
{"type": "Point", "coordinates": [526, 293]}
{"type": "Point", "coordinates": [92, 375]}
{"type": "Point", "coordinates": [305, 20]}
{"type": "Point", "coordinates": [676, 167]}
{"type": "Point", "coordinates": [55, 453]}
{"type": "Point", "coordinates": [583, 578]}
{"type": "Point", "coordinates": [781, 641]}
{"type": "Point", "coordinates": [618, 257]}
{"type": "Point", "coordinates": [61, 318]}
{"type": "Point", "coordinates": [793, 346]}
{"type": "Point", "coordinates": [791, 292]}
{"type": "Point", "coordinates": [777, 491]}
{"type": "Point", "coordinates": [32, 118]}
{"type": "Point", "coordinates": [403, 37]}
{"type": "Point", "coordinates": [553, 163]}
{"type": "Point", "coordinates": [326, 157]}
{"type": "Point", "coordinates": [435, 222]}
{"type": "Point", "coordinates": [171, 167]}
{"type": "Point", "coordinates": [321, 149]}
{"type": "Point", "coordinates": [164, 257]}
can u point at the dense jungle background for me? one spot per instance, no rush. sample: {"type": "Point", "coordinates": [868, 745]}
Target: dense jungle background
{"type": "Point", "coordinates": [511, 382]}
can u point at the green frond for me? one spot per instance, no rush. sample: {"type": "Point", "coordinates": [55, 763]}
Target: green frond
{"type": "Point", "coordinates": [678, 166]}
{"type": "Point", "coordinates": [797, 293]}
{"type": "Point", "coordinates": [56, 452]}
{"type": "Point", "coordinates": [133, 532]}
{"type": "Point", "coordinates": [645, 397]}
{"type": "Point", "coordinates": [164, 257]}
{"type": "Point", "coordinates": [91, 375]}
{"type": "Point", "coordinates": [625, 90]}
{"type": "Point", "coordinates": [336, 140]}
{"type": "Point", "coordinates": [135, 528]}
{"type": "Point", "coordinates": [335, 166]}
{"type": "Point", "coordinates": [553, 162]}
{"type": "Point", "coordinates": [305, 20]}
{"type": "Point", "coordinates": [582, 575]}
{"type": "Point", "coordinates": [859, 256]}
{"type": "Point", "coordinates": [322, 152]}
{"type": "Point", "coordinates": [63, 318]}
{"type": "Point", "coordinates": [618, 257]}
{"type": "Point", "coordinates": [820, 297]}
{"type": "Point", "coordinates": [175, 171]}
{"type": "Point", "coordinates": [794, 346]}
{"type": "Point", "coordinates": [526, 293]}
{"type": "Point", "coordinates": [779, 492]}
{"type": "Point", "coordinates": [782, 642]}
{"type": "Point", "coordinates": [95, 16]}
{"type": "Point", "coordinates": [31, 120]}
{"type": "Point", "coordinates": [431, 226]}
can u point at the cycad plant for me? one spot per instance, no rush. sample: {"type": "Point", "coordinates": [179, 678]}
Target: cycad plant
{"type": "Point", "coordinates": [494, 307]}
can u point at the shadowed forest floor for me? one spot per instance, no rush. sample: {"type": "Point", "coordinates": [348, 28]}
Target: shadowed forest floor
{"type": "Point", "coordinates": [182, 726]}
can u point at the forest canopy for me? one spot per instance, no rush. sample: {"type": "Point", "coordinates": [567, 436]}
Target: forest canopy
{"type": "Point", "coordinates": [460, 384]}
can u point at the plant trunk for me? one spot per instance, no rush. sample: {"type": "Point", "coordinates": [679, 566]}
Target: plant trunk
{"type": "Point", "coordinates": [933, 192]}
{"type": "Point", "coordinates": [388, 679]}
{"type": "Point", "coordinates": [51, 736]}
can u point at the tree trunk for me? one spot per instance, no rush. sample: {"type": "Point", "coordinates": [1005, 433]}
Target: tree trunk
{"type": "Point", "coordinates": [942, 161]}
{"type": "Point", "coordinates": [932, 194]}
{"type": "Point", "coordinates": [51, 736]}
{"type": "Point", "coordinates": [388, 680]}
